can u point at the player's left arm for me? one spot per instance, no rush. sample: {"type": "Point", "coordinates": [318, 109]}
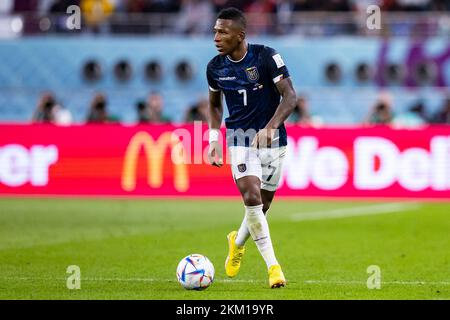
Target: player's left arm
{"type": "Point", "coordinates": [285, 108]}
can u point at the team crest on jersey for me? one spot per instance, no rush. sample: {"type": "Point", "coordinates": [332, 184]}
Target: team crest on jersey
{"type": "Point", "coordinates": [242, 167]}
{"type": "Point", "coordinates": [252, 74]}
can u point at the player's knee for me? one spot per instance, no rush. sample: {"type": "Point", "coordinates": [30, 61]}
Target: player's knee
{"type": "Point", "coordinates": [252, 198]}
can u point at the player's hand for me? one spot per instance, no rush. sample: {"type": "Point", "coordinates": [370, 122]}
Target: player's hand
{"type": "Point", "coordinates": [263, 138]}
{"type": "Point", "coordinates": [215, 151]}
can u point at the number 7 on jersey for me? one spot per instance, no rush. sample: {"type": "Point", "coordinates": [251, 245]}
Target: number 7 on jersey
{"type": "Point", "coordinates": [244, 92]}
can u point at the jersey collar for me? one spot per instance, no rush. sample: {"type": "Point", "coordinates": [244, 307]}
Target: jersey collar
{"type": "Point", "coordinates": [236, 61]}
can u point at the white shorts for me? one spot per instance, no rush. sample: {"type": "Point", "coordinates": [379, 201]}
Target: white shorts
{"type": "Point", "coordinates": [264, 163]}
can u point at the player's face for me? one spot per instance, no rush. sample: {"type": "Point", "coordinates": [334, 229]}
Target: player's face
{"type": "Point", "coordinates": [227, 36]}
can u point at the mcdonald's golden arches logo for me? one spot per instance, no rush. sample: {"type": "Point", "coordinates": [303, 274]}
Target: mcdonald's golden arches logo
{"type": "Point", "coordinates": [155, 153]}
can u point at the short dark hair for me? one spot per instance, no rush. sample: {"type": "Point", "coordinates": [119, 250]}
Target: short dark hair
{"type": "Point", "coordinates": [233, 14]}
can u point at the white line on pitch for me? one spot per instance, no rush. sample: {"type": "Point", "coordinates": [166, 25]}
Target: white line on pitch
{"type": "Point", "coordinates": [337, 282]}
{"type": "Point", "coordinates": [355, 211]}
{"type": "Point", "coordinates": [414, 283]}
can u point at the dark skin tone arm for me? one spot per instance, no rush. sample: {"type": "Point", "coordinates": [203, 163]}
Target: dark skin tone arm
{"type": "Point", "coordinates": [215, 115]}
{"type": "Point", "coordinates": [265, 136]}
{"type": "Point", "coordinates": [285, 108]}
{"type": "Point", "coordinates": [215, 109]}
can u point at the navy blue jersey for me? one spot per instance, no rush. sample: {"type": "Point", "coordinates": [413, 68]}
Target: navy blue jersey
{"type": "Point", "coordinates": [249, 89]}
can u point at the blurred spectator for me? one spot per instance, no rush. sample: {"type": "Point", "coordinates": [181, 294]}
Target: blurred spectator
{"type": "Point", "coordinates": [45, 110]}
{"type": "Point", "coordinates": [335, 5]}
{"type": "Point", "coordinates": [152, 112]}
{"type": "Point", "coordinates": [150, 6]}
{"type": "Point", "coordinates": [6, 6]}
{"type": "Point", "coordinates": [304, 5]}
{"type": "Point", "coordinates": [26, 8]}
{"type": "Point", "coordinates": [96, 12]}
{"type": "Point", "coordinates": [196, 17]}
{"type": "Point", "coordinates": [135, 6]}
{"type": "Point", "coordinates": [62, 115]}
{"type": "Point", "coordinates": [302, 116]}
{"type": "Point", "coordinates": [283, 11]}
{"type": "Point", "coordinates": [44, 6]}
{"type": "Point", "coordinates": [163, 6]}
{"type": "Point", "coordinates": [25, 5]}
{"type": "Point", "coordinates": [128, 18]}
{"type": "Point", "coordinates": [420, 110]}
{"type": "Point", "coordinates": [143, 116]}
{"type": "Point", "coordinates": [440, 5]}
{"type": "Point", "coordinates": [413, 5]}
{"type": "Point", "coordinates": [98, 112]}
{"type": "Point", "coordinates": [381, 113]}
{"type": "Point", "coordinates": [414, 117]}
{"type": "Point", "coordinates": [323, 5]}
{"type": "Point", "coordinates": [259, 18]}
{"type": "Point", "coordinates": [443, 115]}
{"type": "Point", "coordinates": [238, 4]}
{"type": "Point", "coordinates": [57, 6]}
{"type": "Point", "coordinates": [198, 112]}
{"type": "Point", "coordinates": [49, 111]}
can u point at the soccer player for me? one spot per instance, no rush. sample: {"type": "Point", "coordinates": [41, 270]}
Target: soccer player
{"type": "Point", "coordinates": [253, 78]}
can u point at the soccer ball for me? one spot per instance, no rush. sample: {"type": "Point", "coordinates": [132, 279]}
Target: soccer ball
{"type": "Point", "coordinates": [195, 272]}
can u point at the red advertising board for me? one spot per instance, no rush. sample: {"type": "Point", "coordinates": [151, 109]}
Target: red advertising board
{"type": "Point", "coordinates": [161, 160]}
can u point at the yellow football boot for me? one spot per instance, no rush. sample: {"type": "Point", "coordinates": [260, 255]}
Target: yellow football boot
{"type": "Point", "coordinates": [276, 277]}
{"type": "Point", "coordinates": [235, 253]}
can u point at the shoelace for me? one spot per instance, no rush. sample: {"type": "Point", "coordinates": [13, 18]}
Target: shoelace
{"type": "Point", "coordinates": [235, 260]}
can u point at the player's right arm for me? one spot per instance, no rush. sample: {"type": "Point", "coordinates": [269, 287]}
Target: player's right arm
{"type": "Point", "coordinates": [215, 154]}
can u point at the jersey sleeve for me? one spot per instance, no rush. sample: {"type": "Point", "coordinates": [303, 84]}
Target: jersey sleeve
{"type": "Point", "coordinates": [213, 86]}
{"type": "Point", "coordinates": [275, 65]}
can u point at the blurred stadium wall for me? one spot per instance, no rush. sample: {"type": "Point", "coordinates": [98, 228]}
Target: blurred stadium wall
{"type": "Point", "coordinates": [31, 66]}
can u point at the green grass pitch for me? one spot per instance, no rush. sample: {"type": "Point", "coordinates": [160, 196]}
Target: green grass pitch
{"type": "Point", "coordinates": [129, 249]}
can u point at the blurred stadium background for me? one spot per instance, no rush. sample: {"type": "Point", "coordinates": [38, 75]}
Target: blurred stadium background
{"type": "Point", "coordinates": [126, 50]}
{"type": "Point", "coordinates": [136, 70]}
